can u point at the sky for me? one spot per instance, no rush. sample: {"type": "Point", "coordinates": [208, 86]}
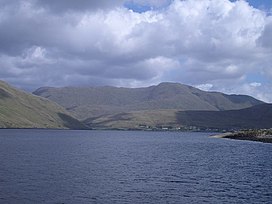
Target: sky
{"type": "Point", "coordinates": [214, 45]}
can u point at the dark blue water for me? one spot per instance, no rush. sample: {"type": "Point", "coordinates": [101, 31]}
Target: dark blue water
{"type": "Point", "coordinates": [39, 166]}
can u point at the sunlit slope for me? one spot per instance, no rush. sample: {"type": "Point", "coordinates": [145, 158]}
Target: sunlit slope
{"type": "Point", "coordinates": [19, 109]}
{"type": "Point", "coordinates": [259, 116]}
{"type": "Point", "coordinates": [92, 102]}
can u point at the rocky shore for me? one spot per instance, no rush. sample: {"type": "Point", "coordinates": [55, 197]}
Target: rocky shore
{"type": "Point", "coordinates": [262, 135]}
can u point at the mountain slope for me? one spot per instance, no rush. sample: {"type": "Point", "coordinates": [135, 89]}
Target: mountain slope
{"type": "Point", "coordinates": [92, 102]}
{"type": "Point", "coordinates": [19, 109]}
{"type": "Point", "coordinates": [135, 120]}
{"type": "Point", "coordinates": [259, 116]}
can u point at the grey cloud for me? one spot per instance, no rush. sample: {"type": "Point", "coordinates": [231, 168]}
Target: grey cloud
{"type": "Point", "coordinates": [194, 42]}
{"type": "Point", "coordinates": [265, 39]}
{"type": "Point", "coordinates": [8, 4]}
{"type": "Point", "coordinates": [258, 90]}
{"type": "Point", "coordinates": [76, 5]}
{"type": "Point", "coordinates": [151, 3]}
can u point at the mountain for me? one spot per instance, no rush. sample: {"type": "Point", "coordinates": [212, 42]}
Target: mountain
{"type": "Point", "coordinates": [135, 120]}
{"type": "Point", "coordinates": [19, 109]}
{"type": "Point", "coordinates": [259, 116]}
{"type": "Point", "coordinates": [96, 102]}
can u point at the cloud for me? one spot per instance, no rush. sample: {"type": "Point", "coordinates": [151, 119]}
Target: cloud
{"type": "Point", "coordinates": [256, 89]}
{"type": "Point", "coordinates": [255, 84]}
{"type": "Point", "coordinates": [204, 87]}
{"type": "Point", "coordinates": [150, 3]}
{"type": "Point", "coordinates": [210, 44]}
{"type": "Point", "coordinates": [78, 5]}
{"type": "Point", "coordinates": [265, 38]}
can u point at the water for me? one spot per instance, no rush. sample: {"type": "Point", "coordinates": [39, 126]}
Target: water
{"type": "Point", "coordinates": [47, 166]}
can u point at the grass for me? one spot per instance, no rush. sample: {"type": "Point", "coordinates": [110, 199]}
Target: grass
{"type": "Point", "coordinates": [19, 109]}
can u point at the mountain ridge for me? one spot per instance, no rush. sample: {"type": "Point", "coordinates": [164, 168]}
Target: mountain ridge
{"type": "Point", "coordinates": [165, 105]}
{"type": "Point", "coordinates": [86, 102]}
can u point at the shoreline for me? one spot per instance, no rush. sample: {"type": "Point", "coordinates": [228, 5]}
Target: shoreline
{"type": "Point", "coordinates": [249, 135]}
{"type": "Point", "coordinates": [221, 135]}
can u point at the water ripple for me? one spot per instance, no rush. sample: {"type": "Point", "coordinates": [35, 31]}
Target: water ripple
{"type": "Point", "coordinates": [39, 166]}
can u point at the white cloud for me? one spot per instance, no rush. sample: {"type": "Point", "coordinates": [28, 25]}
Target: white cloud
{"type": "Point", "coordinates": [261, 92]}
{"type": "Point", "coordinates": [209, 43]}
{"type": "Point", "coordinates": [255, 84]}
{"type": "Point", "coordinates": [204, 87]}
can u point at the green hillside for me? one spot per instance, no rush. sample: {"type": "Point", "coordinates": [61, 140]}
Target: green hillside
{"type": "Point", "coordinates": [135, 120]}
{"type": "Point", "coordinates": [19, 109]}
{"type": "Point", "coordinates": [259, 116]}
{"type": "Point", "coordinates": [93, 102]}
